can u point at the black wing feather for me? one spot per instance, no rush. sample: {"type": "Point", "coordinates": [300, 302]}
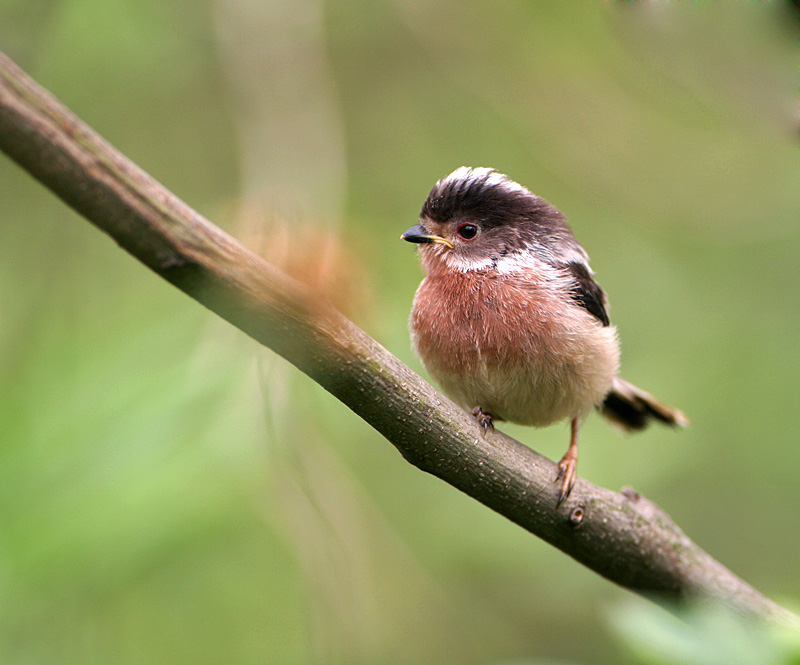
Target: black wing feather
{"type": "Point", "coordinates": [587, 293]}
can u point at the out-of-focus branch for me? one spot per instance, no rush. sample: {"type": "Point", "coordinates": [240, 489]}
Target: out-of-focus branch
{"type": "Point", "coordinates": [623, 537]}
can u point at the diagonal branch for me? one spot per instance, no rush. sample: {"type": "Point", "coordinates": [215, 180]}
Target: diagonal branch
{"type": "Point", "coordinates": [623, 537]}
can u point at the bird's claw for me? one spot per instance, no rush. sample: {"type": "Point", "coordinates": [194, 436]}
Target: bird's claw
{"type": "Point", "coordinates": [485, 420]}
{"type": "Point", "coordinates": [567, 473]}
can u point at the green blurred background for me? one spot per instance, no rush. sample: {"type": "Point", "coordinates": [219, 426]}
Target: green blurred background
{"type": "Point", "coordinates": [171, 492]}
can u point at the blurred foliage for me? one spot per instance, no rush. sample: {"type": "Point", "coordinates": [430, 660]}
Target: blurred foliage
{"type": "Point", "coordinates": [700, 635]}
{"type": "Point", "coordinates": [170, 492]}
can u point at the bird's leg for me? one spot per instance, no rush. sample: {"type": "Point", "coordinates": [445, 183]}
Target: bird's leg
{"type": "Point", "coordinates": [485, 420]}
{"type": "Point", "coordinates": [568, 466]}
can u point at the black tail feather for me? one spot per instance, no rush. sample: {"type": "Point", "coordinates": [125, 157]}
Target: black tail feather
{"type": "Point", "coordinates": [632, 408]}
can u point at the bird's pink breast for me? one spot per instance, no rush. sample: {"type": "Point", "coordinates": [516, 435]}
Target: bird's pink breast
{"type": "Point", "coordinates": [514, 344]}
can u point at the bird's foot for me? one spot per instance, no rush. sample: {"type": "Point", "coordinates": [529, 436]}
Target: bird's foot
{"type": "Point", "coordinates": [567, 473]}
{"type": "Point", "coordinates": [485, 420]}
{"type": "Point", "coordinates": [568, 466]}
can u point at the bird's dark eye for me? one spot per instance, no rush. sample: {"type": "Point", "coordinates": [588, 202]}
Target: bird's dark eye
{"type": "Point", "coordinates": [467, 231]}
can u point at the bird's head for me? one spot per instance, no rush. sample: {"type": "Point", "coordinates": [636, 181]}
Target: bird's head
{"type": "Point", "coordinates": [477, 219]}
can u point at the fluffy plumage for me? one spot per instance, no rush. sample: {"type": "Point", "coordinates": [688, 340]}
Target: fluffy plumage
{"type": "Point", "coordinates": [509, 319]}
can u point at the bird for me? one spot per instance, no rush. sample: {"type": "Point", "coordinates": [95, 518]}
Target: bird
{"type": "Point", "coordinates": [509, 320]}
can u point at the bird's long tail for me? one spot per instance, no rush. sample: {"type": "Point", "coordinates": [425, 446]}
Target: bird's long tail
{"type": "Point", "coordinates": [632, 408]}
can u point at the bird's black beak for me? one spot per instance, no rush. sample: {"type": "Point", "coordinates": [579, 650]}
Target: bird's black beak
{"type": "Point", "coordinates": [419, 235]}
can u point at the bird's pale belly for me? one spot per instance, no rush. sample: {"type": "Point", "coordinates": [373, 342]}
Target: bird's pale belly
{"type": "Point", "coordinates": [518, 360]}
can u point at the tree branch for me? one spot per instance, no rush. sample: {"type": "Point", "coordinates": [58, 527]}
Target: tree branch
{"type": "Point", "coordinates": [623, 537]}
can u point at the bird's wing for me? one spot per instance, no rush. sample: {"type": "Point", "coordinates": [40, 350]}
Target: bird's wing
{"type": "Point", "coordinates": [586, 292]}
